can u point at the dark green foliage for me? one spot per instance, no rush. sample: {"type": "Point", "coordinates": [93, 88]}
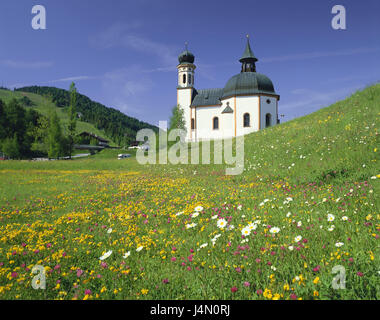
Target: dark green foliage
{"type": "Point", "coordinates": [117, 126]}
{"type": "Point", "coordinates": [11, 148]}
{"type": "Point", "coordinates": [56, 140]}
{"type": "Point", "coordinates": [72, 118]}
{"type": "Point", "coordinates": [26, 102]}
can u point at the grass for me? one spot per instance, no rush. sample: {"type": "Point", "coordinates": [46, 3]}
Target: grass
{"type": "Point", "coordinates": [44, 106]}
{"type": "Point", "coordinates": [316, 177]}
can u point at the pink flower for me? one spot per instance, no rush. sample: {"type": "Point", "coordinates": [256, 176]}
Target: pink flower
{"type": "Point", "coordinates": [234, 289]}
{"type": "Point", "coordinates": [166, 280]}
{"type": "Point", "coordinates": [104, 265]}
{"type": "Point", "coordinates": [87, 291]}
{"type": "Point", "coordinates": [174, 259]}
{"type": "Point", "coordinates": [79, 272]}
{"type": "Point", "coordinates": [14, 275]}
{"type": "Point", "coordinates": [259, 292]}
{"type": "Point", "coordinates": [246, 284]}
{"type": "Point", "coordinates": [293, 296]}
{"type": "Point", "coordinates": [360, 274]}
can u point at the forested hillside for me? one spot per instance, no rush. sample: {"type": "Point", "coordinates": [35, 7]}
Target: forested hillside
{"type": "Point", "coordinates": [117, 126]}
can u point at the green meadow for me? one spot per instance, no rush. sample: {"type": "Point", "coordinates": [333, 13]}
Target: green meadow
{"type": "Point", "coordinates": [306, 205]}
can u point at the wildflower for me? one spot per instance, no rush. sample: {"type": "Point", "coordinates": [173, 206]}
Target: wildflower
{"type": "Point", "coordinates": [291, 248]}
{"type": "Point", "coordinates": [234, 289]}
{"type": "Point", "coordinates": [221, 223]}
{"type": "Point", "coordinates": [190, 225]}
{"type": "Point", "coordinates": [252, 226]}
{"type": "Point", "coordinates": [344, 218]}
{"type": "Point", "coordinates": [109, 230]}
{"type": "Point", "coordinates": [144, 291]}
{"type": "Point", "coordinates": [330, 217]}
{"type": "Point", "coordinates": [360, 274]}
{"type": "Point", "coordinates": [316, 280]}
{"type": "Point", "coordinates": [139, 248]}
{"type": "Point", "coordinates": [106, 255]}
{"type": "Point", "coordinates": [274, 230]}
{"type": "Point", "coordinates": [331, 228]}
{"type": "Point", "coordinates": [203, 245]}
{"type": "Point", "coordinates": [339, 244]}
{"type": "Point", "coordinates": [298, 238]}
{"type": "Point", "coordinates": [179, 213]}
{"type": "Point", "coordinates": [246, 231]}
{"type": "Point", "coordinates": [246, 284]}
{"type": "Point", "coordinates": [198, 209]}
{"type": "Point", "coordinates": [214, 217]}
{"type": "Point", "coordinates": [126, 255]}
{"type": "Point", "coordinates": [299, 224]}
{"type": "Point", "coordinates": [195, 214]}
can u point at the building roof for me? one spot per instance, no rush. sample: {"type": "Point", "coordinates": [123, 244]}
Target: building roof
{"type": "Point", "coordinates": [186, 57]}
{"type": "Point", "coordinates": [207, 97]}
{"type": "Point", "coordinates": [248, 83]}
{"type": "Point", "coordinates": [248, 53]}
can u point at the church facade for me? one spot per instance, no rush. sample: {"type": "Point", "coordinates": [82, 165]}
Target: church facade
{"type": "Point", "coordinates": [247, 103]}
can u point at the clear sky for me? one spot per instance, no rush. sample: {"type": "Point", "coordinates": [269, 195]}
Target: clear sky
{"type": "Point", "coordinates": [123, 53]}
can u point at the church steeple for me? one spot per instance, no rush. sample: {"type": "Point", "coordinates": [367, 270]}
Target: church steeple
{"type": "Point", "coordinates": [248, 59]}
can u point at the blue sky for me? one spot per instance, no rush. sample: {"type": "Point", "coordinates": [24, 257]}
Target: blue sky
{"type": "Point", "coordinates": [123, 53]}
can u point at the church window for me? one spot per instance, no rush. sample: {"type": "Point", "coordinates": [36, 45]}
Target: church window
{"type": "Point", "coordinates": [268, 120]}
{"type": "Point", "coordinates": [246, 120]}
{"type": "Point", "coordinates": [184, 78]}
{"type": "Point", "coordinates": [215, 123]}
{"type": "Point", "coordinates": [189, 78]}
{"type": "Point", "coordinates": [192, 124]}
{"type": "Point", "coordinates": [268, 101]}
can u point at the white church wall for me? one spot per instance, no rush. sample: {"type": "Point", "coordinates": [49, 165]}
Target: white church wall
{"type": "Point", "coordinates": [250, 105]}
{"type": "Point", "coordinates": [184, 100]}
{"type": "Point", "coordinates": [270, 108]}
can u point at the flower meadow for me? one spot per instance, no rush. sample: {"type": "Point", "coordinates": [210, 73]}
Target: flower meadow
{"type": "Point", "coordinates": [106, 229]}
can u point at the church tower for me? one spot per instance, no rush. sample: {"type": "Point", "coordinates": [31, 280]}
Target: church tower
{"type": "Point", "coordinates": [185, 88]}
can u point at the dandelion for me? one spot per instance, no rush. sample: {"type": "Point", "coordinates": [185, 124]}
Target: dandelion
{"type": "Point", "coordinates": [106, 255]}
{"type": "Point", "coordinates": [221, 223]}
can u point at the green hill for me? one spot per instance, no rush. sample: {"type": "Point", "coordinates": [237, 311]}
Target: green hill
{"type": "Point", "coordinates": [304, 211]}
{"type": "Point", "coordinates": [43, 105]}
{"type": "Point", "coordinates": [115, 125]}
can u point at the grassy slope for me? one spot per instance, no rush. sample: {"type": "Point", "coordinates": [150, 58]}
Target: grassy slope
{"type": "Point", "coordinates": [323, 161]}
{"type": "Point", "coordinates": [44, 106]}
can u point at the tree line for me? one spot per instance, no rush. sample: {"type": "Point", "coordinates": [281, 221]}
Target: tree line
{"type": "Point", "coordinates": [25, 133]}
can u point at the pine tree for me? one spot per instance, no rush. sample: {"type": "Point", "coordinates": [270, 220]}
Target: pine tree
{"type": "Point", "coordinates": [72, 117]}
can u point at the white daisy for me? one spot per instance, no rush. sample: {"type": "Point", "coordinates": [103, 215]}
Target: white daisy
{"type": "Point", "coordinates": [203, 245]}
{"type": "Point", "coordinates": [190, 225]}
{"type": "Point", "coordinates": [330, 217]}
{"type": "Point", "coordinates": [344, 218]}
{"type": "Point", "coordinates": [339, 244]}
{"type": "Point", "coordinates": [214, 217]}
{"type": "Point", "coordinates": [221, 223]}
{"type": "Point", "coordinates": [106, 255]}
{"type": "Point", "coordinates": [127, 254]}
{"type": "Point", "coordinates": [195, 214]}
{"type": "Point", "coordinates": [199, 208]}
{"type": "Point", "coordinates": [274, 230]}
{"type": "Point", "coordinates": [291, 248]}
{"type": "Point", "coordinates": [246, 231]}
{"type": "Point", "coordinates": [252, 226]}
{"type": "Point", "coordinates": [179, 213]}
{"type": "Point", "coordinates": [298, 238]}
{"type": "Point", "coordinates": [139, 248]}
{"type": "Point", "coordinates": [109, 230]}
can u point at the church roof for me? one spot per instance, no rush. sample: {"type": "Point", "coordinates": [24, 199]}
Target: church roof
{"type": "Point", "coordinates": [248, 53]}
{"type": "Point", "coordinates": [207, 97]}
{"type": "Point", "coordinates": [248, 83]}
{"type": "Point", "coordinates": [186, 57]}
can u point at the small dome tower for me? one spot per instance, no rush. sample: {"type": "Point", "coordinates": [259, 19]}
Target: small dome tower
{"type": "Point", "coordinates": [186, 69]}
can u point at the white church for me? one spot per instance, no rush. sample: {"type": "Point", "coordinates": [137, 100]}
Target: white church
{"type": "Point", "coordinates": [246, 104]}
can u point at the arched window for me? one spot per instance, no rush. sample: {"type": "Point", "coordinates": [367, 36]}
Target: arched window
{"type": "Point", "coordinates": [184, 78]}
{"type": "Point", "coordinates": [192, 124]}
{"type": "Point", "coordinates": [189, 78]}
{"type": "Point", "coordinates": [268, 120]}
{"type": "Point", "coordinates": [246, 120]}
{"type": "Point", "coordinates": [215, 123]}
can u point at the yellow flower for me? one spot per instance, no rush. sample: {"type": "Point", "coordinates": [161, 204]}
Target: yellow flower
{"type": "Point", "coordinates": [316, 280]}
{"type": "Point", "coordinates": [103, 289]}
{"type": "Point", "coordinates": [316, 293]}
{"type": "Point", "coordinates": [144, 291]}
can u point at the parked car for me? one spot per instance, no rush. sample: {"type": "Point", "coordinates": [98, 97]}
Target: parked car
{"type": "Point", "coordinates": [123, 156]}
